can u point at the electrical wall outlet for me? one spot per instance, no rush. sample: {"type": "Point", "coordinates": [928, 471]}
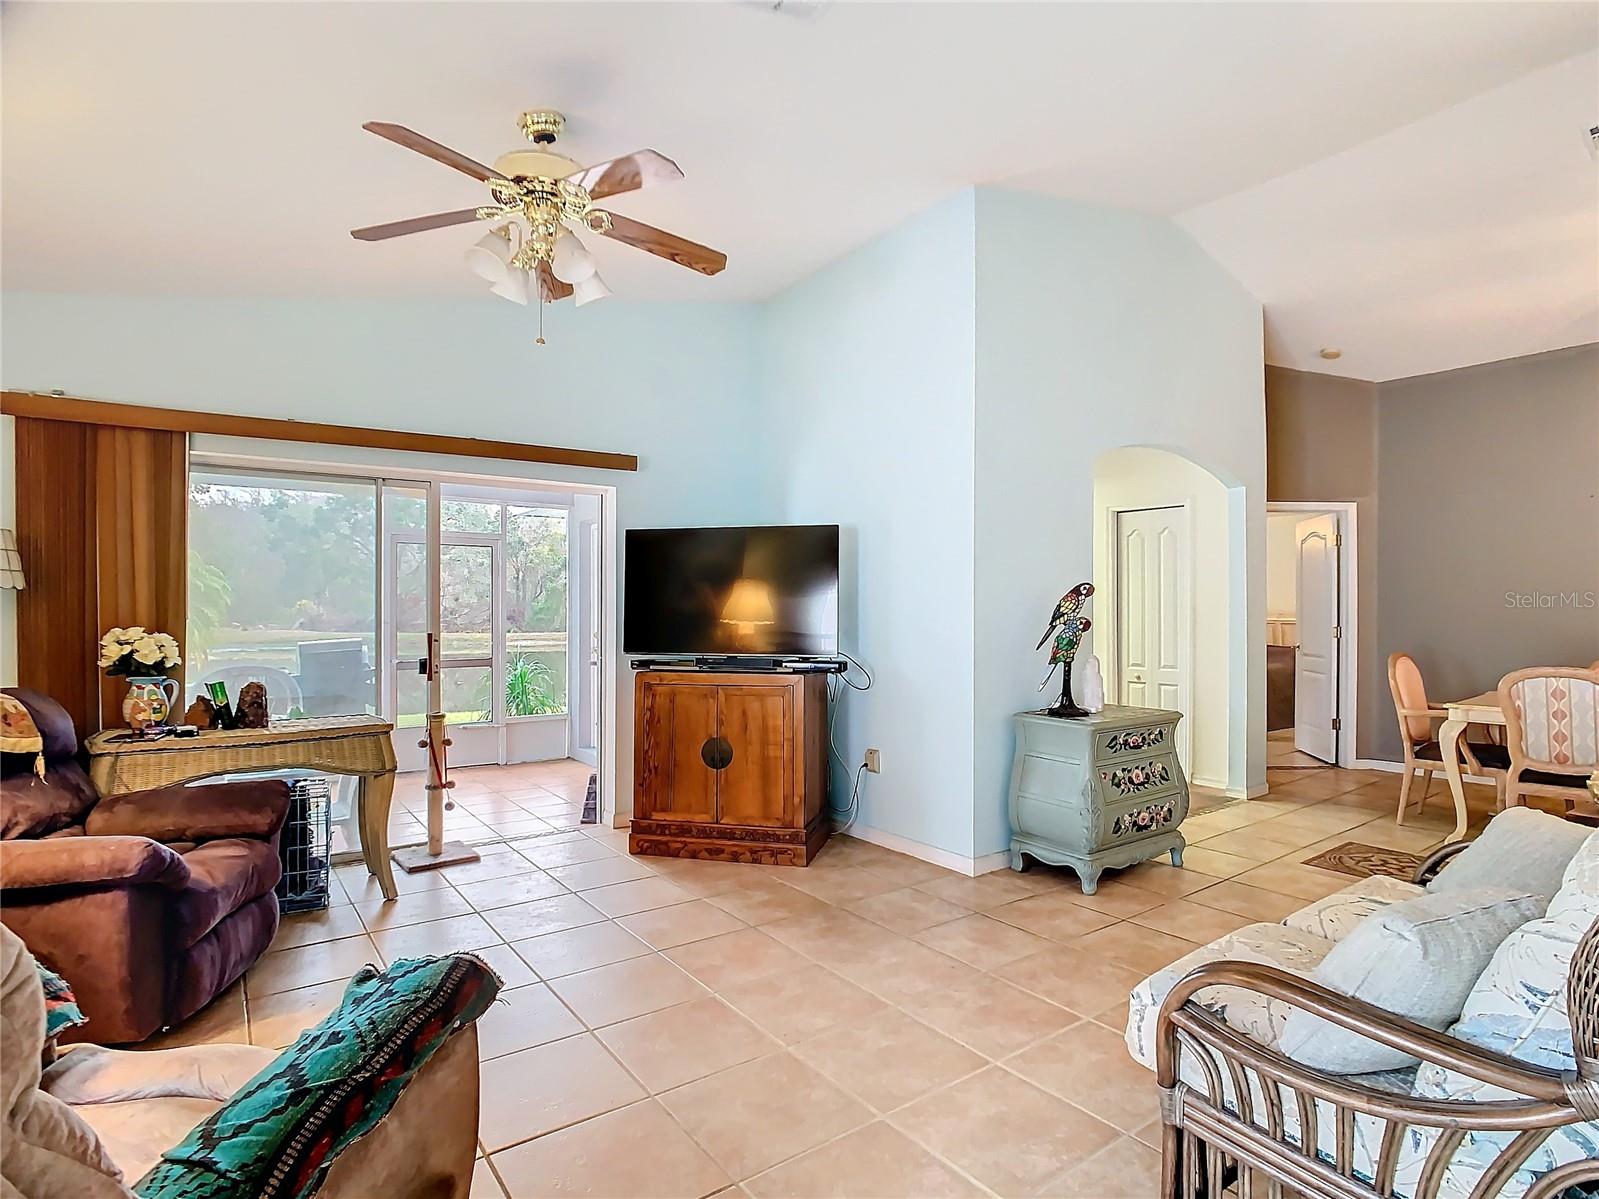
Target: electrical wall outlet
{"type": "Point", "coordinates": [874, 761]}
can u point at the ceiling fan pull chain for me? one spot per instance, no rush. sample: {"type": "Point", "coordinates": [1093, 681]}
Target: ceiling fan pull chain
{"type": "Point", "coordinates": [539, 283]}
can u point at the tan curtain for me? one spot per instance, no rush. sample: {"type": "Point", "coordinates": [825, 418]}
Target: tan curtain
{"type": "Point", "coordinates": [108, 507]}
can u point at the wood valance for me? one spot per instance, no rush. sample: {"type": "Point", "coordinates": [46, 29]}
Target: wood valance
{"type": "Point", "coordinates": [179, 420]}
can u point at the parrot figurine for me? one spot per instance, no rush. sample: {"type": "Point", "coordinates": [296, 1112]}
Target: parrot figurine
{"type": "Point", "coordinates": [1067, 624]}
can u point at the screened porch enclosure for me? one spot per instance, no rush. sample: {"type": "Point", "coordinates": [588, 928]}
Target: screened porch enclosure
{"type": "Point", "coordinates": [317, 586]}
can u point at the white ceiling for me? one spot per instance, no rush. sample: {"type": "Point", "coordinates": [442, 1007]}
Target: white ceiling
{"type": "Point", "coordinates": [216, 148]}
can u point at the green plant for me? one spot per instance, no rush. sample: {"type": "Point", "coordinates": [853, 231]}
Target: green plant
{"type": "Point", "coordinates": [527, 690]}
{"type": "Point", "coordinates": [210, 596]}
{"type": "Point", "coordinates": [527, 687]}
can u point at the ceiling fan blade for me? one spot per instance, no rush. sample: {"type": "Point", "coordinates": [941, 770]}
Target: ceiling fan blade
{"type": "Point", "coordinates": [416, 224]}
{"type": "Point", "coordinates": [628, 173]}
{"type": "Point", "coordinates": [553, 288]}
{"type": "Point", "coordinates": [666, 245]}
{"type": "Point", "coordinates": [411, 140]}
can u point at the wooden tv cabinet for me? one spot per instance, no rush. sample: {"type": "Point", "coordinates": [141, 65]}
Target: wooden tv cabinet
{"type": "Point", "coordinates": [730, 766]}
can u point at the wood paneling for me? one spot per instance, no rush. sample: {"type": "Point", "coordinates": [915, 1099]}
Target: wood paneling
{"type": "Point", "coordinates": [56, 614]}
{"type": "Point", "coordinates": [141, 497]}
{"type": "Point", "coordinates": [139, 416]}
{"type": "Point", "coordinates": [102, 525]}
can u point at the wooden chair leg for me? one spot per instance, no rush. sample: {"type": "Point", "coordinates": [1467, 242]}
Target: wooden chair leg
{"type": "Point", "coordinates": [1404, 794]}
{"type": "Point", "coordinates": [1426, 789]}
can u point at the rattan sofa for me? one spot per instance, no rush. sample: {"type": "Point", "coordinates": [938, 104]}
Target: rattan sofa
{"type": "Point", "coordinates": [1240, 1117]}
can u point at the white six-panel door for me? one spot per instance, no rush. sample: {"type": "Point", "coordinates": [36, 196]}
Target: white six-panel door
{"type": "Point", "coordinates": [1316, 663]}
{"type": "Point", "coordinates": [1152, 613]}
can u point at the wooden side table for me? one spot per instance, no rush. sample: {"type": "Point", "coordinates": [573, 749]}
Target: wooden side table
{"type": "Point", "coordinates": [350, 745]}
{"type": "Point", "coordinates": [1097, 792]}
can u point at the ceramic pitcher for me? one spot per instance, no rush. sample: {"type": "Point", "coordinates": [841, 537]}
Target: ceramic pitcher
{"type": "Point", "coordinates": [149, 701]}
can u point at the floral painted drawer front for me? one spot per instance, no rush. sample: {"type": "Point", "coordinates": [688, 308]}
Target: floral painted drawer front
{"type": "Point", "coordinates": [1131, 741]}
{"type": "Point", "coordinates": [1137, 778]}
{"type": "Point", "coordinates": [1145, 819]}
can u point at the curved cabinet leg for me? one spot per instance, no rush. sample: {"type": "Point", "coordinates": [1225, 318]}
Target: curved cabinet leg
{"type": "Point", "coordinates": [376, 794]}
{"type": "Point", "coordinates": [1090, 881]}
{"type": "Point", "coordinates": [1177, 855]}
{"type": "Point", "coordinates": [1018, 861]}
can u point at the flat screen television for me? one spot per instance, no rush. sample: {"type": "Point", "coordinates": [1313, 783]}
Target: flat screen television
{"type": "Point", "coordinates": [768, 590]}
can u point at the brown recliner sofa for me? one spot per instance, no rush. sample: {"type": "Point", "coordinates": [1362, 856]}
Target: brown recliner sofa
{"type": "Point", "coordinates": [149, 904]}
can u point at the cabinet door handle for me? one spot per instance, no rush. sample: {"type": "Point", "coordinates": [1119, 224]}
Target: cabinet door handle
{"type": "Point", "coordinates": [716, 753]}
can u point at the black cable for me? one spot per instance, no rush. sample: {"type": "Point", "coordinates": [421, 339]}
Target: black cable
{"type": "Point", "coordinates": [845, 674]}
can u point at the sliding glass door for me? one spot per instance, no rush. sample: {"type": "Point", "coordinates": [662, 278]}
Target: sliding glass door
{"type": "Point", "coordinates": [341, 593]}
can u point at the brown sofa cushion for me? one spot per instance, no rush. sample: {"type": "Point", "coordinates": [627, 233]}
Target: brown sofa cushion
{"type": "Point", "coordinates": [89, 862]}
{"type": "Point", "coordinates": [249, 809]}
{"type": "Point", "coordinates": [223, 877]}
{"type": "Point", "coordinates": [31, 806]}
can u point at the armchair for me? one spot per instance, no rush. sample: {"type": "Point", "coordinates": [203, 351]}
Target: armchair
{"type": "Point", "coordinates": [1552, 731]}
{"type": "Point", "coordinates": [151, 903]}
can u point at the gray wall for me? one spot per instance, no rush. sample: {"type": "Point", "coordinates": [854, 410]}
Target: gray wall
{"type": "Point", "coordinates": [1321, 444]}
{"type": "Point", "coordinates": [1513, 444]}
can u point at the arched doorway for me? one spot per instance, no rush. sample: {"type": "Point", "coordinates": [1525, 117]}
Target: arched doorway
{"type": "Point", "coordinates": [1172, 584]}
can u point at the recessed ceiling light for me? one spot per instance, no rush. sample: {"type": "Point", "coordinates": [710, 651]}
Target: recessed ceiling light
{"type": "Point", "coordinates": [1329, 353]}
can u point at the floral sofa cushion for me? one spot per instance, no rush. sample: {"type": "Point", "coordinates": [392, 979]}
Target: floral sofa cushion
{"type": "Point", "coordinates": [1518, 1007]}
{"type": "Point", "coordinates": [1336, 916]}
{"type": "Point", "coordinates": [1254, 1015]}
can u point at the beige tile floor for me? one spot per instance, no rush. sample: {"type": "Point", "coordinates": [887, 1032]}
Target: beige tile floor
{"type": "Point", "coordinates": [870, 1026]}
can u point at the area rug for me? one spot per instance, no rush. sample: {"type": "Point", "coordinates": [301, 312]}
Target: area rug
{"type": "Point", "coordinates": [1200, 802]}
{"type": "Point", "coordinates": [1362, 861]}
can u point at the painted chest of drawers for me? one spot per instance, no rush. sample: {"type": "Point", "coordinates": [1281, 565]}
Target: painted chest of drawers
{"type": "Point", "coordinates": [1097, 792]}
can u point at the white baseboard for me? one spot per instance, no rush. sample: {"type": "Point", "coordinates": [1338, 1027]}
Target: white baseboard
{"type": "Point", "coordinates": [1210, 784]}
{"type": "Point", "coordinates": [1254, 792]}
{"type": "Point", "coordinates": [961, 864]}
{"type": "Point", "coordinates": [1399, 768]}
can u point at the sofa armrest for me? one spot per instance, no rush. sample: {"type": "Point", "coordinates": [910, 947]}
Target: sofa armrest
{"type": "Point", "coordinates": [1545, 1088]}
{"type": "Point", "coordinates": [1436, 861]}
{"type": "Point", "coordinates": [89, 862]}
{"type": "Point", "coordinates": [254, 808]}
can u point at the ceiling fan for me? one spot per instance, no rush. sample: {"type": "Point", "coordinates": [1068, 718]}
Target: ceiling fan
{"type": "Point", "coordinates": [539, 196]}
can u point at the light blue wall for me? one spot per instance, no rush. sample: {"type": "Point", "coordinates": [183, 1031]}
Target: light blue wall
{"type": "Point", "coordinates": [941, 393]}
{"type": "Point", "coordinates": [1098, 328]}
{"type": "Point", "coordinates": [867, 377]}
{"type": "Point", "coordinates": [675, 384]}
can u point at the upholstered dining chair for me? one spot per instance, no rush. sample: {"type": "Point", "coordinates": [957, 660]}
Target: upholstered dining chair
{"type": "Point", "coordinates": [1418, 735]}
{"type": "Point", "coordinates": [1552, 732]}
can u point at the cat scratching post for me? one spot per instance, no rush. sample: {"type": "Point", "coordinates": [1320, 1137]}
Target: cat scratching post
{"type": "Point", "coordinates": [437, 852]}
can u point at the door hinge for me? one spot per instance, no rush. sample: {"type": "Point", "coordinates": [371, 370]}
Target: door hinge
{"type": "Point", "coordinates": [1338, 632]}
{"type": "Point", "coordinates": [1338, 539]}
{"type": "Point", "coordinates": [1337, 724]}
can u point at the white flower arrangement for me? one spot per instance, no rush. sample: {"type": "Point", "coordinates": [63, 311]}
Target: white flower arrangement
{"type": "Point", "coordinates": [138, 653]}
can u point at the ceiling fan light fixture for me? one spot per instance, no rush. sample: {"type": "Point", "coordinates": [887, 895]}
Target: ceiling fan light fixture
{"type": "Point", "coordinates": [490, 256]}
{"type": "Point", "coordinates": [571, 261]}
{"type": "Point", "coordinates": [514, 287]}
{"type": "Point", "coordinates": [592, 288]}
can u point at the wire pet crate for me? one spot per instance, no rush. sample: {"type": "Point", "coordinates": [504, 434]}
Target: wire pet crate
{"type": "Point", "coordinates": [306, 846]}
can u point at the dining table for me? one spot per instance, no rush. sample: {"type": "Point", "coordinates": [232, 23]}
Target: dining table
{"type": "Point", "coordinates": [1481, 709]}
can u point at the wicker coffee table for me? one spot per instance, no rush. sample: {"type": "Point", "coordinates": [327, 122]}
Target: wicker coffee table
{"type": "Point", "coordinates": [352, 745]}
